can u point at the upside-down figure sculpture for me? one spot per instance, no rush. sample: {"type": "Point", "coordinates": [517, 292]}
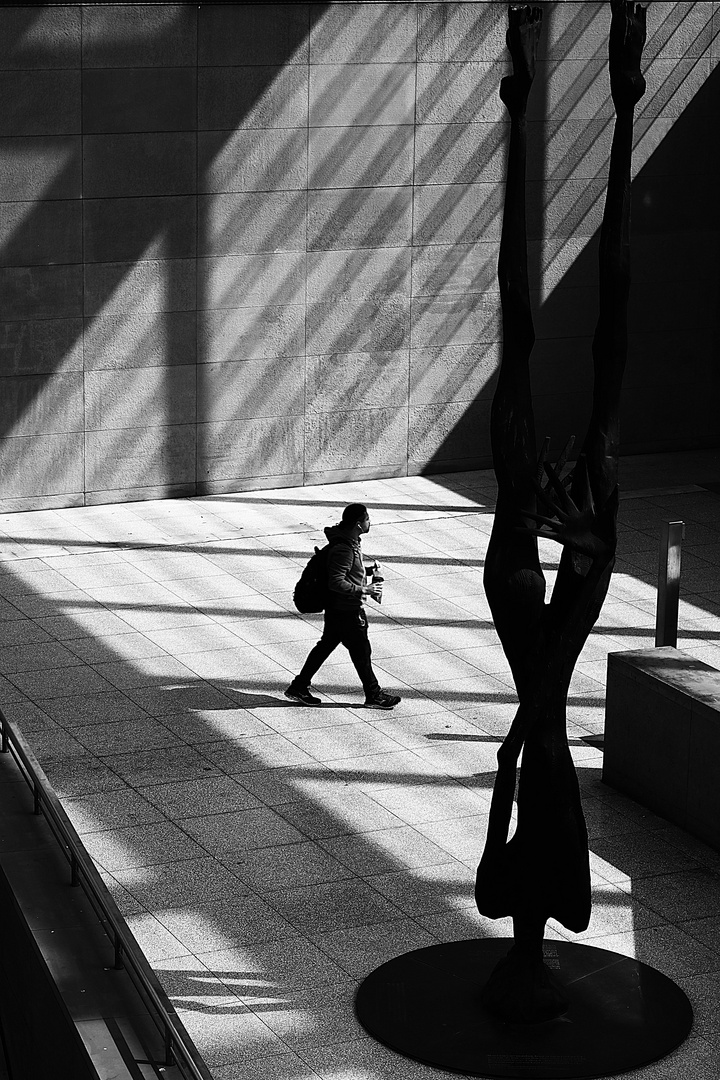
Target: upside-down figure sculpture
{"type": "Point", "coordinates": [543, 872]}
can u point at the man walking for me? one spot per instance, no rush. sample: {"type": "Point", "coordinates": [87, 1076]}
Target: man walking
{"type": "Point", "coordinates": [345, 620]}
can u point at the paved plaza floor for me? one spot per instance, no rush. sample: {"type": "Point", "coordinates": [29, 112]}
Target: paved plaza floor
{"type": "Point", "coordinates": [266, 855]}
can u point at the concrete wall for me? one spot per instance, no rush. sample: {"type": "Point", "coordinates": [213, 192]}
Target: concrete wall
{"type": "Point", "coordinates": [255, 245]}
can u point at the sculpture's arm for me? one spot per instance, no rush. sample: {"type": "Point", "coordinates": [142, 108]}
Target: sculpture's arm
{"type": "Point", "coordinates": [584, 520]}
{"type": "Point", "coordinates": [514, 581]}
{"type": "Point", "coordinates": [522, 37]}
{"type": "Point", "coordinates": [512, 429]}
{"type": "Point", "coordinates": [627, 37]}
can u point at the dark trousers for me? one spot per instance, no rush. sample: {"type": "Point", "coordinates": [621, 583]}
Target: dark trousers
{"type": "Point", "coordinates": [348, 628]}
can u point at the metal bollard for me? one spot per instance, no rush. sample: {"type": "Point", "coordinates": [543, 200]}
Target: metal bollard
{"type": "Point", "coordinates": [666, 620]}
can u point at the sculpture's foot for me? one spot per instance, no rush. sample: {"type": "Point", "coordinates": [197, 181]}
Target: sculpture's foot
{"type": "Point", "coordinates": [627, 38]}
{"type": "Point", "coordinates": [521, 990]}
{"type": "Point", "coordinates": [522, 39]}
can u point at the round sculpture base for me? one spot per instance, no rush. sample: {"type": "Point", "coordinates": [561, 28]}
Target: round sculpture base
{"type": "Point", "coordinates": [426, 1005]}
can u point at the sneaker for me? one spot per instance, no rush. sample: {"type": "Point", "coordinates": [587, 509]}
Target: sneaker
{"type": "Point", "coordinates": [302, 695]}
{"type": "Point", "coordinates": [381, 700]}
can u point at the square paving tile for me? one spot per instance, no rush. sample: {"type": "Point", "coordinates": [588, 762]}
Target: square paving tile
{"type": "Point", "coordinates": [60, 682]}
{"type": "Point", "coordinates": [140, 845]}
{"type": "Point", "coordinates": [360, 949]}
{"type": "Point", "coordinates": [80, 776]}
{"type": "Point", "coordinates": [211, 636]}
{"type": "Point", "coordinates": [463, 838]}
{"type": "Point", "coordinates": [329, 905]}
{"type": "Point", "coordinates": [155, 940]}
{"type": "Point", "coordinates": [34, 656]}
{"type": "Point", "coordinates": [271, 868]}
{"type": "Point", "coordinates": [98, 708]}
{"type": "Point", "coordinates": [343, 741]}
{"type": "Point", "coordinates": [200, 726]}
{"type": "Point", "coordinates": [291, 717]}
{"type": "Point", "coordinates": [213, 925]}
{"type": "Point", "coordinates": [107, 648]}
{"type": "Point", "coordinates": [174, 697]}
{"type": "Point", "coordinates": [56, 744]}
{"type": "Point", "coordinates": [208, 794]}
{"type": "Point", "coordinates": [384, 851]}
{"type": "Point", "coordinates": [145, 671]}
{"type": "Point", "coordinates": [336, 814]}
{"type": "Point", "coordinates": [283, 785]}
{"type": "Point", "coordinates": [21, 631]}
{"type": "Point", "coordinates": [416, 803]}
{"type": "Point", "coordinates": [230, 663]}
{"type": "Point", "coordinates": [123, 807]}
{"type": "Point", "coordinates": [691, 894]}
{"type": "Point", "coordinates": [241, 830]}
{"type": "Point", "coordinates": [427, 890]}
{"type": "Point", "coordinates": [175, 763]}
{"type": "Point", "coordinates": [311, 1017]}
{"type": "Point", "coordinates": [361, 1059]}
{"type": "Point", "coordinates": [279, 967]}
{"type": "Point", "coordinates": [117, 738]}
{"type": "Point", "coordinates": [230, 1033]}
{"type": "Point", "coordinates": [251, 754]}
{"type": "Point", "coordinates": [194, 881]}
{"type": "Point", "coordinates": [666, 948]}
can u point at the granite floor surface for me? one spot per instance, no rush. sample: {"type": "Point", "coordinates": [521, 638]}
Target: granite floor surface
{"type": "Point", "coordinates": [267, 856]}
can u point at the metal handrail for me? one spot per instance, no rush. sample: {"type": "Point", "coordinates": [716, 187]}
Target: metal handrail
{"type": "Point", "coordinates": [179, 1047]}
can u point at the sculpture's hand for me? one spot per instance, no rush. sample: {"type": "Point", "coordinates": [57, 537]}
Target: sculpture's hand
{"type": "Point", "coordinates": [566, 522]}
{"type": "Point", "coordinates": [522, 39]}
{"type": "Point", "coordinates": [627, 38]}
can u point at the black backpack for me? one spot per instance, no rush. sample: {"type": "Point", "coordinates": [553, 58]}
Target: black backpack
{"type": "Point", "coordinates": [311, 591]}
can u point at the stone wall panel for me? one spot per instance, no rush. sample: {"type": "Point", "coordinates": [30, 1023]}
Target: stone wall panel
{"type": "Point", "coordinates": [41, 404]}
{"type": "Point", "coordinates": [342, 95]}
{"type": "Point", "coordinates": [354, 440]}
{"type": "Point", "coordinates": [40, 102]}
{"type": "Point", "coordinates": [118, 230]}
{"type": "Point", "coordinates": [346, 157]}
{"type": "Point", "coordinates": [356, 381]}
{"type": "Point", "coordinates": [41, 39]}
{"type": "Point", "coordinates": [250, 389]}
{"type": "Point", "coordinates": [138, 35]}
{"type": "Point", "coordinates": [41, 346]}
{"type": "Point", "coordinates": [234, 35]}
{"type": "Point", "coordinates": [449, 432]}
{"type": "Point", "coordinates": [153, 285]}
{"type": "Point", "coordinates": [453, 373]}
{"type": "Point", "coordinates": [139, 99]}
{"type": "Point", "coordinates": [144, 457]}
{"type": "Point", "coordinates": [246, 222]}
{"type": "Point", "coordinates": [363, 33]}
{"type": "Point", "coordinates": [359, 218]}
{"type": "Point", "coordinates": [266, 159]}
{"type": "Point", "coordinates": [139, 339]}
{"type": "Point", "coordinates": [139, 164]}
{"type": "Point", "coordinates": [41, 292]}
{"type": "Point", "coordinates": [241, 449]}
{"type": "Point", "coordinates": [48, 232]}
{"type": "Point", "coordinates": [252, 97]}
{"type": "Point", "coordinates": [251, 333]}
{"type": "Point", "coordinates": [41, 465]}
{"type": "Point", "coordinates": [41, 167]}
{"type": "Point", "coordinates": [139, 398]}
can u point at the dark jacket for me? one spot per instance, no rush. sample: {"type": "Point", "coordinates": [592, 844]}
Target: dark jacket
{"type": "Point", "coordinates": [346, 572]}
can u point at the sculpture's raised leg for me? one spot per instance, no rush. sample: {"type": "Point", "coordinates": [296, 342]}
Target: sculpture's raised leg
{"type": "Point", "coordinates": [543, 871]}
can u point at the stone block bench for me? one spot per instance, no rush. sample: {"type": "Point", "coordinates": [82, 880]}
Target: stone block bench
{"type": "Point", "coordinates": [662, 736]}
